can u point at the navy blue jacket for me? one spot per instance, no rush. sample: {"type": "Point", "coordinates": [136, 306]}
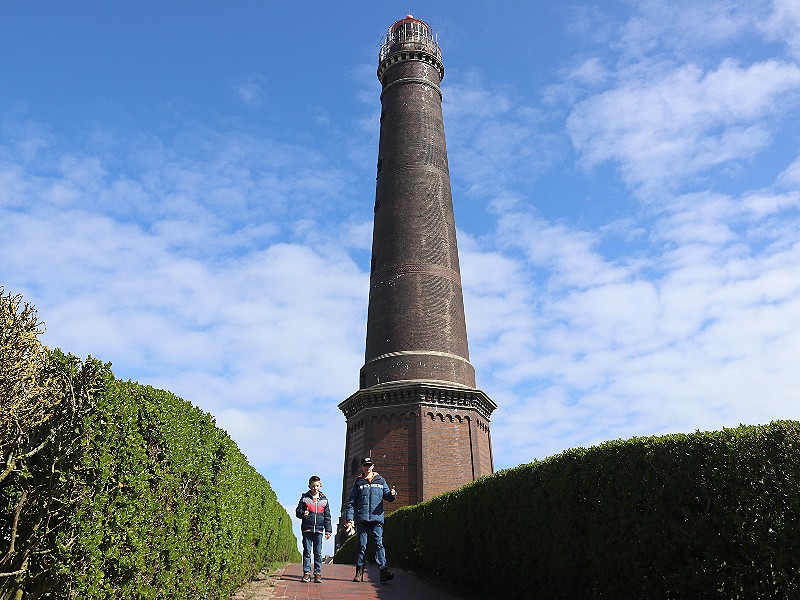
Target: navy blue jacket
{"type": "Point", "coordinates": [366, 499]}
{"type": "Point", "coordinates": [319, 513]}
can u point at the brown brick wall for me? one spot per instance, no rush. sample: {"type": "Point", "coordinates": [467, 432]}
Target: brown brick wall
{"type": "Point", "coordinates": [447, 460]}
{"type": "Point", "coordinates": [353, 452]}
{"type": "Point", "coordinates": [394, 451]}
{"type": "Point", "coordinates": [484, 444]}
{"type": "Point", "coordinates": [481, 447]}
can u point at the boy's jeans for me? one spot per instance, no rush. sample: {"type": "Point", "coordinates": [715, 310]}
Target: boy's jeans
{"type": "Point", "coordinates": [363, 530]}
{"type": "Point", "coordinates": [311, 541]}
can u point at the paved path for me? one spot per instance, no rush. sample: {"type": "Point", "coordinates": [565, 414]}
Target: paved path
{"type": "Point", "coordinates": [337, 584]}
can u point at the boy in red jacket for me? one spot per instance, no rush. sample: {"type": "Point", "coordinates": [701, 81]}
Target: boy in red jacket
{"type": "Point", "coordinates": [315, 512]}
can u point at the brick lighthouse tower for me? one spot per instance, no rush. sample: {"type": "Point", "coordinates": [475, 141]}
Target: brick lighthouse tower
{"type": "Point", "coordinates": [417, 412]}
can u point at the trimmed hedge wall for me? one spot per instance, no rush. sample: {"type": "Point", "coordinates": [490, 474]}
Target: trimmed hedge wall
{"type": "Point", "coordinates": [161, 503]}
{"type": "Point", "coordinates": [705, 515]}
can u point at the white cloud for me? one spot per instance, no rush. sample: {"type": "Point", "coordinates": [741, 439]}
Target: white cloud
{"type": "Point", "coordinates": [684, 27]}
{"type": "Point", "coordinates": [184, 275]}
{"type": "Point", "coordinates": [790, 177]}
{"type": "Point", "coordinates": [251, 92]}
{"type": "Point", "coordinates": [783, 24]}
{"type": "Point", "coordinates": [590, 72]}
{"type": "Point", "coordinates": [696, 333]}
{"type": "Point", "coordinates": [492, 138]}
{"type": "Point", "coordinates": [684, 121]}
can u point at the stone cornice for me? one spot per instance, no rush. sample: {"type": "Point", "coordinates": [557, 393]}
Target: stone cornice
{"type": "Point", "coordinates": [423, 393]}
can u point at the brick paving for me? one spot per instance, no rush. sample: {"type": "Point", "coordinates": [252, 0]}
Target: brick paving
{"type": "Point", "coordinates": [337, 584]}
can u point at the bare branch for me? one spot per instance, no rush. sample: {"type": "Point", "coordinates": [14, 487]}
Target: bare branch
{"type": "Point", "coordinates": [12, 462]}
{"type": "Point", "coordinates": [20, 572]}
{"type": "Point", "coordinates": [15, 524]}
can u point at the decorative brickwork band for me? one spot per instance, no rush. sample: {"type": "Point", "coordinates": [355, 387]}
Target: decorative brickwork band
{"type": "Point", "coordinates": [420, 80]}
{"type": "Point", "coordinates": [418, 352]}
{"type": "Point", "coordinates": [406, 268]}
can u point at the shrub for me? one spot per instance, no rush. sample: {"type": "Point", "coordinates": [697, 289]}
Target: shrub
{"type": "Point", "coordinates": [113, 489]}
{"type": "Point", "coordinates": [173, 509]}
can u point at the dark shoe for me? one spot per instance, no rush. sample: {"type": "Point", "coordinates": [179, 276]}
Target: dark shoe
{"type": "Point", "coordinates": [306, 577]}
{"type": "Point", "coordinates": [359, 574]}
{"type": "Point", "coordinates": [317, 578]}
{"type": "Point", "coordinates": [386, 575]}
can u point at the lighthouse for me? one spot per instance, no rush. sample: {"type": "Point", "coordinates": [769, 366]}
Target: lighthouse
{"type": "Point", "coordinates": [417, 412]}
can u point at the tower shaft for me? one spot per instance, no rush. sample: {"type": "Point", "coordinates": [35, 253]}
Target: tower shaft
{"type": "Point", "coordinates": [417, 412]}
{"type": "Point", "coordinates": [415, 327]}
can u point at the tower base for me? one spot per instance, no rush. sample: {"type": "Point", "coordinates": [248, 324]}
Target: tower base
{"type": "Point", "coordinates": [425, 438]}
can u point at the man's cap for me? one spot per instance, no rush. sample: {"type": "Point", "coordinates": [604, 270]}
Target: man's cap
{"type": "Point", "coordinates": [366, 461]}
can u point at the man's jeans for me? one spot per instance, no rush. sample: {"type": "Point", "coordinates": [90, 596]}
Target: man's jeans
{"type": "Point", "coordinates": [363, 530]}
{"type": "Point", "coordinates": [312, 541]}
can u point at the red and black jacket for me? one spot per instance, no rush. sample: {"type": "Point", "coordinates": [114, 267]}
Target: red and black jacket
{"type": "Point", "coordinates": [318, 519]}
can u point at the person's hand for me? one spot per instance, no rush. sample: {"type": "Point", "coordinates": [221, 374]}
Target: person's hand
{"type": "Point", "coordinates": [305, 513]}
{"type": "Point", "coordinates": [327, 535]}
{"type": "Point", "coordinates": [348, 523]}
{"type": "Point", "coordinates": [393, 491]}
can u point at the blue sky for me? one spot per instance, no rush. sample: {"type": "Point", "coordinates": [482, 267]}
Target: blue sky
{"type": "Point", "coordinates": [186, 191]}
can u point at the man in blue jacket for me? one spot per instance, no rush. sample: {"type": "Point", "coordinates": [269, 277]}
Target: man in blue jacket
{"type": "Point", "coordinates": [366, 506]}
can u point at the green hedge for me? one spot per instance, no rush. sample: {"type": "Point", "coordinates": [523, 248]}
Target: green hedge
{"type": "Point", "coordinates": [160, 502]}
{"type": "Point", "coordinates": [705, 515]}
